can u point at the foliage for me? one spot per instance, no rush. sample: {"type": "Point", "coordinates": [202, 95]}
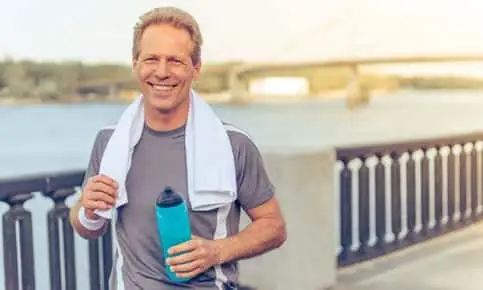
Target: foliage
{"type": "Point", "coordinates": [60, 80]}
{"type": "Point", "coordinates": [25, 78]}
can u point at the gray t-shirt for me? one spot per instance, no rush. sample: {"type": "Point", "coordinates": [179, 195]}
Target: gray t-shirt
{"type": "Point", "coordinates": [159, 161]}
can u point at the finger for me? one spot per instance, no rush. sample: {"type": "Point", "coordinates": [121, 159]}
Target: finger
{"type": "Point", "coordinates": [187, 267]}
{"type": "Point", "coordinates": [183, 258]}
{"type": "Point", "coordinates": [99, 186]}
{"type": "Point", "coordinates": [184, 247]}
{"type": "Point", "coordinates": [190, 274]}
{"type": "Point", "coordinates": [96, 204]}
{"type": "Point", "coordinates": [102, 187]}
{"type": "Point", "coordinates": [101, 178]}
{"type": "Point", "coordinates": [101, 196]}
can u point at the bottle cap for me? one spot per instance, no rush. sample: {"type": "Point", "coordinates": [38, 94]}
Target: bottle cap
{"type": "Point", "coordinates": [168, 198]}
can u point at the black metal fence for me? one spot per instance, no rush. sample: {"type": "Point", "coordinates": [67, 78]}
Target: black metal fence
{"type": "Point", "coordinates": [18, 248]}
{"type": "Point", "coordinates": [398, 194]}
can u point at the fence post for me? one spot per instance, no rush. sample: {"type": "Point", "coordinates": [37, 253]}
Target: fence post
{"type": "Point", "coordinates": [17, 221]}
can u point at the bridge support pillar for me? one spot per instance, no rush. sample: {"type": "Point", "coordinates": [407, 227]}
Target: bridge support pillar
{"type": "Point", "coordinates": [113, 92]}
{"type": "Point", "coordinates": [357, 94]}
{"type": "Point", "coordinates": [238, 92]}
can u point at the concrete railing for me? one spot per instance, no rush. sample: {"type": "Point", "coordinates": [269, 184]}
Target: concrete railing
{"type": "Point", "coordinates": [305, 189]}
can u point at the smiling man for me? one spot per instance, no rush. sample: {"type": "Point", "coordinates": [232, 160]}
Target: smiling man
{"type": "Point", "coordinates": [166, 59]}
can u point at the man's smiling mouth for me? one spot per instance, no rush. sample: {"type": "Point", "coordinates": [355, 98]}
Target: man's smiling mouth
{"type": "Point", "coordinates": [162, 87]}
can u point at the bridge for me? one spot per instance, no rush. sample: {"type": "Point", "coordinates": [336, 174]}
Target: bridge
{"type": "Point", "coordinates": [234, 77]}
{"type": "Point", "coordinates": [357, 93]}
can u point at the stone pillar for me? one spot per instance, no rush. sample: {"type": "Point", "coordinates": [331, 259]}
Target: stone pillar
{"type": "Point", "coordinates": [113, 92]}
{"type": "Point", "coordinates": [305, 189]}
{"type": "Point", "coordinates": [357, 94]}
{"type": "Point", "coordinates": [238, 92]}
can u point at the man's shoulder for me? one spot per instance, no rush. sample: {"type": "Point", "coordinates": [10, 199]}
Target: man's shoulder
{"type": "Point", "coordinates": [102, 137]}
{"type": "Point", "coordinates": [239, 138]}
{"type": "Point", "coordinates": [105, 133]}
{"type": "Point", "coordinates": [241, 141]}
{"type": "Point", "coordinates": [237, 135]}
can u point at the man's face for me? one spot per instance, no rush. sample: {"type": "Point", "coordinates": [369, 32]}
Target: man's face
{"type": "Point", "coordinates": [164, 68]}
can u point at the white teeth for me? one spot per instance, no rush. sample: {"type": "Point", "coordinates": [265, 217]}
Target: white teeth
{"type": "Point", "coordinates": [162, 88]}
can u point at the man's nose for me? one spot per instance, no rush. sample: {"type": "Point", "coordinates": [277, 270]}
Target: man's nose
{"type": "Point", "coordinates": [162, 69]}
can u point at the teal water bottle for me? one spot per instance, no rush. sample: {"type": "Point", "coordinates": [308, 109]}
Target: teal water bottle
{"type": "Point", "coordinates": [173, 224]}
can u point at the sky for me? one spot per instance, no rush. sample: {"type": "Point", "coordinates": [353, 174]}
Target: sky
{"type": "Point", "coordinates": [101, 30]}
{"type": "Point", "coordinates": [251, 30]}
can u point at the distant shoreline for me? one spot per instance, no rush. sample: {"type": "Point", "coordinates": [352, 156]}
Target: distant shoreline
{"type": "Point", "coordinates": [37, 101]}
{"type": "Point", "coordinates": [216, 98]}
{"type": "Point", "coordinates": [220, 98]}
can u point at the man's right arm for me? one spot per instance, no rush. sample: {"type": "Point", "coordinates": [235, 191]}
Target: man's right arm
{"type": "Point", "coordinates": [94, 189]}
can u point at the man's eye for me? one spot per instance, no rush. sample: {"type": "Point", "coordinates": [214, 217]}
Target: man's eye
{"type": "Point", "coordinates": [175, 60]}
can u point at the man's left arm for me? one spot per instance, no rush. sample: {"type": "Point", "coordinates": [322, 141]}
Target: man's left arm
{"type": "Point", "coordinates": [266, 231]}
{"type": "Point", "coordinates": [256, 195]}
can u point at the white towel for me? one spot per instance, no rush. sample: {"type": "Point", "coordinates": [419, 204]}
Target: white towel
{"type": "Point", "coordinates": [209, 157]}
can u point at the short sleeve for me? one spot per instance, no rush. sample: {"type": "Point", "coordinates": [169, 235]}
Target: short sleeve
{"type": "Point", "coordinates": [97, 151]}
{"type": "Point", "coordinates": [254, 185]}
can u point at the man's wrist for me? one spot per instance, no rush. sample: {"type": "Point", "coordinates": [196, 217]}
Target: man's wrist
{"type": "Point", "coordinates": [90, 214]}
{"type": "Point", "coordinates": [92, 224]}
{"type": "Point", "coordinates": [225, 248]}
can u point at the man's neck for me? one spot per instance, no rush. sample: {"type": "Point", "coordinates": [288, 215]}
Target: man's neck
{"type": "Point", "coordinates": [161, 121]}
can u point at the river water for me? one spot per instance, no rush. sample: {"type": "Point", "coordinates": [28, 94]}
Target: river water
{"type": "Point", "coordinates": [43, 138]}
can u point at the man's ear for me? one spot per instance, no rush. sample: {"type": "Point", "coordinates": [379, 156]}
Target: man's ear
{"type": "Point", "coordinates": [197, 71]}
{"type": "Point", "coordinates": [134, 65]}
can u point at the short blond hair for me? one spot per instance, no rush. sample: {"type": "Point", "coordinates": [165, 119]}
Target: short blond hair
{"type": "Point", "coordinates": [173, 16]}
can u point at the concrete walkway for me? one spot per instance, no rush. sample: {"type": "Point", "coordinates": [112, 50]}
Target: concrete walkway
{"type": "Point", "coordinates": [451, 262]}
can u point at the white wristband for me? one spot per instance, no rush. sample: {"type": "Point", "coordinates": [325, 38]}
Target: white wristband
{"type": "Point", "coordinates": [90, 224]}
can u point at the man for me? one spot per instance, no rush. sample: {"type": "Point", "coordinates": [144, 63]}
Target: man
{"type": "Point", "coordinates": [166, 60]}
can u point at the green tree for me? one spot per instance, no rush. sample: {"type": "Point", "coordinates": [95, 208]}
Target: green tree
{"type": "Point", "coordinates": [16, 80]}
